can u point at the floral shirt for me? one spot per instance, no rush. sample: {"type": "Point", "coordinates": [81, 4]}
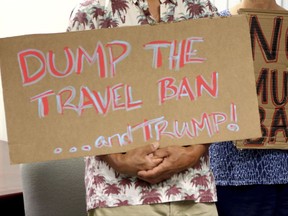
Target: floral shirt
{"type": "Point", "coordinates": [104, 186]}
{"type": "Point", "coordinates": [232, 166]}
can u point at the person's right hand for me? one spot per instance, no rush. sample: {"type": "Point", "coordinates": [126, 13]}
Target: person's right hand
{"type": "Point", "coordinates": [175, 159]}
{"type": "Point", "coordinates": [131, 162]}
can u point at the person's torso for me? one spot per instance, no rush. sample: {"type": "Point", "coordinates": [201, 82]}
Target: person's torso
{"type": "Point", "coordinates": [105, 187]}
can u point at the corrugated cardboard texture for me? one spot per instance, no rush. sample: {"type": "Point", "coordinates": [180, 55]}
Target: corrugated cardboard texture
{"type": "Point", "coordinates": [110, 90]}
{"type": "Point", "coordinates": [269, 41]}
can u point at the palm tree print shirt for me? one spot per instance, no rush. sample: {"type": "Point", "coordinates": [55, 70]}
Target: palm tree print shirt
{"type": "Point", "coordinates": [104, 186]}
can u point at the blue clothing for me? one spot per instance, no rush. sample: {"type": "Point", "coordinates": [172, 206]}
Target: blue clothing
{"type": "Point", "coordinates": [232, 166]}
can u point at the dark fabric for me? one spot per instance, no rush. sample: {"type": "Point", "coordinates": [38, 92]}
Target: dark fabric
{"type": "Point", "coordinates": [253, 200]}
{"type": "Point", "coordinates": [12, 204]}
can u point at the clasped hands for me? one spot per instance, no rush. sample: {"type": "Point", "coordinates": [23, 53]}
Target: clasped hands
{"type": "Point", "coordinates": [153, 164]}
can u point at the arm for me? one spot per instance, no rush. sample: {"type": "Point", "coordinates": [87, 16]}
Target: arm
{"type": "Point", "coordinates": [177, 159]}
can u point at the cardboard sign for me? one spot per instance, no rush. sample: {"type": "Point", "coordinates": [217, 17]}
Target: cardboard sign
{"type": "Point", "coordinates": [269, 40]}
{"type": "Point", "coordinates": [110, 90]}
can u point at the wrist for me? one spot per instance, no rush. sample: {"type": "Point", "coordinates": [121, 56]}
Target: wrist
{"type": "Point", "coordinates": [195, 152]}
{"type": "Point", "coordinates": [199, 148]}
{"type": "Point", "coordinates": [116, 161]}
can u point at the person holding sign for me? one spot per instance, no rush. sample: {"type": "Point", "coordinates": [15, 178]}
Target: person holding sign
{"type": "Point", "coordinates": [148, 180]}
{"type": "Point", "coordinates": [250, 182]}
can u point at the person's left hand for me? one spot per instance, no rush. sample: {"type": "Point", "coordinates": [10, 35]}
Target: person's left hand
{"type": "Point", "coordinates": [176, 159]}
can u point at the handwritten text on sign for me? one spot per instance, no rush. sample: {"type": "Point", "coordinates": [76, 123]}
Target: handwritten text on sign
{"type": "Point", "coordinates": [270, 53]}
{"type": "Point", "coordinates": [74, 65]}
{"type": "Point", "coordinates": [110, 94]}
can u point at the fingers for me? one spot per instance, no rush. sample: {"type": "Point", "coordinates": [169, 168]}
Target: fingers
{"type": "Point", "coordinates": [146, 149]}
{"type": "Point", "coordinates": [154, 146]}
{"type": "Point", "coordinates": [154, 175]}
{"type": "Point", "coordinates": [152, 162]}
{"type": "Point", "coordinates": [162, 153]}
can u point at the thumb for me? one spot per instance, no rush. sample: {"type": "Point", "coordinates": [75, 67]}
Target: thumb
{"type": "Point", "coordinates": [155, 146]}
{"type": "Point", "coordinates": [151, 148]}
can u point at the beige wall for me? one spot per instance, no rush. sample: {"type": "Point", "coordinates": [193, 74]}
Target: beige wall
{"type": "Point", "coordinates": [10, 180]}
